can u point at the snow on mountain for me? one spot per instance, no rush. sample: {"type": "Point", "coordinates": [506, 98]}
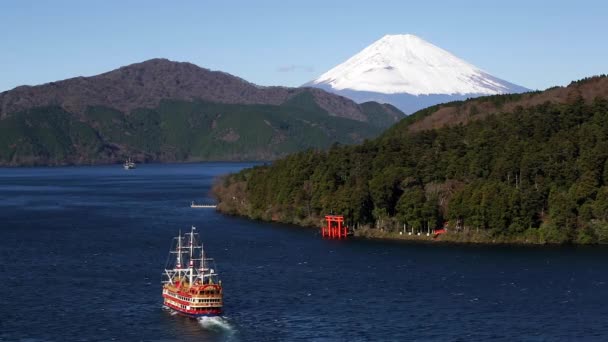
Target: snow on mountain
{"type": "Point", "coordinates": [410, 73]}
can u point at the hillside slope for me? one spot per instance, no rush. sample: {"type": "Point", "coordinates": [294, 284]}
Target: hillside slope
{"type": "Point", "coordinates": [532, 172]}
{"type": "Point", "coordinates": [462, 112]}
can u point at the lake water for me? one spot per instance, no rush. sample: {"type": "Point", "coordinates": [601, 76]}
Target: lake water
{"type": "Point", "coordinates": [82, 250]}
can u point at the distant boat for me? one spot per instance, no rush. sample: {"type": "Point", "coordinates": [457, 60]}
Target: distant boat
{"type": "Point", "coordinates": [129, 164]}
{"type": "Point", "coordinates": [194, 205]}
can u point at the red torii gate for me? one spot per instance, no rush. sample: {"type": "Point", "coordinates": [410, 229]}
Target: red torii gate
{"type": "Point", "coordinates": [334, 227]}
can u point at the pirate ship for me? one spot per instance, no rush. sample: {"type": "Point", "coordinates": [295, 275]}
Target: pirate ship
{"type": "Point", "coordinates": [191, 284]}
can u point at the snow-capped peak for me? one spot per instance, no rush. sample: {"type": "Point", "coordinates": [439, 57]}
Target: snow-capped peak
{"type": "Point", "coordinates": [405, 63]}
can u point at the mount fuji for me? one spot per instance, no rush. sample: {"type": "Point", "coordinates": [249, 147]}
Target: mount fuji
{"type": "Point", "coordinates": [409, 73]}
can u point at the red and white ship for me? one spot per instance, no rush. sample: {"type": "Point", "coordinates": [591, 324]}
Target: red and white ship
{"type": "Point", "coordinates": [191, 285]}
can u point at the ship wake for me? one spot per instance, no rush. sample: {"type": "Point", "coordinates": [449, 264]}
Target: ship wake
{"type": "Point", "coordinates": [216, 323]}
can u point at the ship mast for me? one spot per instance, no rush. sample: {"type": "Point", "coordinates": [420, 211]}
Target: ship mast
{"type": "Point", "coordinates": [186, 252]}
{"type": "Point", "coordinates": [202, 269]}
{"type": "Point", "coordinates": [178, 264]}
{"type": "Point", "coordinates": [191, 262]}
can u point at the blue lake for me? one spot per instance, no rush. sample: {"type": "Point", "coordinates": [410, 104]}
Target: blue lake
{"type": "Point", "coordinates": [82, 250]}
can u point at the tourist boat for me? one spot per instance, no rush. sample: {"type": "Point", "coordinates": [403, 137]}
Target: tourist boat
{"type": "Point", "coordinates": [191, 285]}
{"type": "Point", "coordinates": [129, 164]}
{"type": "Point", "coordinates": [194, 205]}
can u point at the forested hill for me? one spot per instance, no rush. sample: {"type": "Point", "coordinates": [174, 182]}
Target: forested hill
{"type": "Point", "coordinates": [533, 171]}
{"type": "Point", "coordinates": [160, 110]}
{"type": "Point", "coordinates": [462, 112]}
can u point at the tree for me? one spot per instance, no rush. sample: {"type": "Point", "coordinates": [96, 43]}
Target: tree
{"type": "Point", "coordinates": [410, 207]}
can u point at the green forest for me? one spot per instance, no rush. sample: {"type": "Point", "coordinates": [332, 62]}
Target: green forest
{"type": "Point", "coordinates": [179, 131]}
{"type": "Point", "coordinates": [536, 175]}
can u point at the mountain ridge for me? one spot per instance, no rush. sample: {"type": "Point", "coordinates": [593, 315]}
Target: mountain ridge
{"type": "Point", "coordinates": [164, 111]}
{"type": "Point", "coordinates": [143, 85]}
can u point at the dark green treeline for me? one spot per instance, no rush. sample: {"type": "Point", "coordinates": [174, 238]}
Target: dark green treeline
{"type": "Point", "coordinates": [539, 171]}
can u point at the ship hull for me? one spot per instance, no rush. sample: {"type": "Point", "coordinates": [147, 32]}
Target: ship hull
{"type": "Point", "coordinates": [212, 312]}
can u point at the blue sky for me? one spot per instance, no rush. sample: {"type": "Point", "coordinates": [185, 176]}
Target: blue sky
{"type": "Point", "coordinates": [536, 44]}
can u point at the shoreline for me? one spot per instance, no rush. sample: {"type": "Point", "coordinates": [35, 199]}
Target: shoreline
{"type": "Point", "coordinates": [450, 238]}
{"type": "Point", "coordinates": [119, 163]}
{"type": "Point", "coordinates": [453, 239]}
